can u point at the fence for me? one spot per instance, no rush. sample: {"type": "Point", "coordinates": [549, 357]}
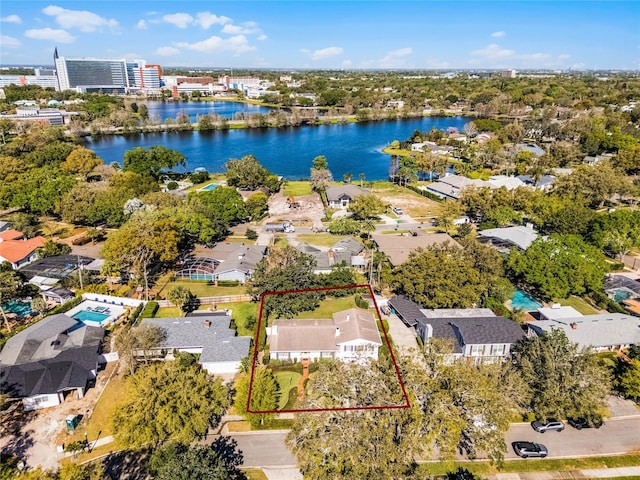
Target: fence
{"type": "Point", "coordinates": [212, 300]}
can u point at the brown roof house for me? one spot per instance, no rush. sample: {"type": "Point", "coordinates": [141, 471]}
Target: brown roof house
{"type": "Point", "coordinates": [351, 335]}
{"type": "Point", "coordinates": [398, 247]}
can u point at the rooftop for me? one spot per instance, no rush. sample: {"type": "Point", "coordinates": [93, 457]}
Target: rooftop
{"type": "Point", "coordinates": [398, 247]}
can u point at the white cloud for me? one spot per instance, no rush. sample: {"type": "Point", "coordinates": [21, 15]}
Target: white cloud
{"type": "Point", "coordinates": [141, 25]}
{"type": "Point", "coordinates": [395, 58]}
{"type": "Point", "coordinates": [492, 52]}
{"type": "Point", "coordinates": [167, 51]}
{"type": "Point", "coordinates": [498, 34]}
{"type": "Point", "coordinates": [326, 53]}
{"type": "Point", "coordinates": [56, 35]}
{"type": "Point", "coordinates": [237, 44]}
{"type": "Point", "coordinates": [435, 63]}
{"type": "Point", "coordinates": [180, 20]}
{"type": "Point", "coordinates": [494, 56]}
{"type": "Point", "coordinates": [11, 19]}
{"type": "Point", "coordinates": [347, 63]}
{"type": "Point", "coordinates": [9, 42]}
{"type": "Point", "coordinates": [262, 38]}
{"type": "Point", "coordinates": [84, 20]}
{"type": "Point", "coordinates": [247, 28]}
{"type": "Point", "coordinates": [206, 19]}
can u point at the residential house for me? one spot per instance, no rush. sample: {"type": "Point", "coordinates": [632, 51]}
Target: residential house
{"type": "Point", "coordinates": [58, 295]}
{"type": "Point", "coordinates": [47, 362]}
{"type": "Point", "coordinates": [543, 183]}
{"type": "Point", "coordinates": [398, 247]}
{"type": "Point", "coordinates": [599, 333]}
{"type": "Point", "coordinates": [16, 249]}
{"type": "Point", "coordinates": [339, 197]}
{"type": "Point", "coordinates": [346, 250]}
{"type": "Point", "coordinates": [351, 335]}
{"type": "Point", "coordinates": [530, 147]}
{"type": "Point", "coordinates": [237, 261]}
{"type": "Point", "coordinates": [475, 333]}
{"type": "Point", "coordinates": [451, 186]}
{"type": "Point", "coordinates": [208, 335]}
{"type": "Point", "coordinates": [4, 226]}
{"type": "Point", "coordinates": [503, 239]}
{"type": "Point", "coordinates": [432, 147]}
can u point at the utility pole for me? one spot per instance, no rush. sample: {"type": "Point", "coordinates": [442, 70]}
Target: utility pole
{"type": "Point", "coordinates": [80, 272]}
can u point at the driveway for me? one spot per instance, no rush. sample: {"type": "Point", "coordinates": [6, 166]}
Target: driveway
{"type": "Point", "coordinates": [403, 337]}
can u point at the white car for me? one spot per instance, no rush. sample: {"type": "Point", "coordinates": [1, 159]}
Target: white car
{"type": "Point", "coordinates": [397, 211]}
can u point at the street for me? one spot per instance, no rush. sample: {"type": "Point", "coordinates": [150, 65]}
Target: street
{"type": "Point", "coordinates": [617, 435]}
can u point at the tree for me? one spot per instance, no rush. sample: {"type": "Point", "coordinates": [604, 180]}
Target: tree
{"type": "Point", "coordinates": [366, 206]}
{"type": "Point", "coordinates": [320, 179]}
{"type": "Point", "coordinates": [257, 206]}
{"type": "Point", "coordinates": [344, 226]}
{"type": "Point", "coordinates": [285, 269]}
{"type": "Point", "coordinates": [131, 341]}
{"type": "Point", "coordinates": [181, 297]}
{"type": "Point", "coordinates": [559, 266]}
{"type": "Point", "coordinates": [263, 395]}
{"type": "Point", "coordinates": [51, 249]}
{"type": "Point", "coordinates": [446, 276]}
{"type": "Point", "coordinates": [564, 381]}
{"type": "Point", "coordinates": [347, 177]}
{"type": "Point", "coordinates": [10, 283]}
{"type": "Point", "coordinates": [151, 162]}
{"type": "Point", "coordinates": [449, 211]}
{"type": "Point", "coordinates": [144, 240]}
{"type": "Point", "coordinates": [320, 163]}
{"type": "Point", "coordinates": [248, 173]}
{"type": "Point", "coordinates": [218, 461]}
{"type": "Point", "coordinates": [38, 305]}
{"type": "Point", "coordinates": [166, 402]}
{"type": "Point", "coordinates": [628, 378]}
{"type": "Point", "coordinates": [81, 161]}
{"type": "Point", "coordinates": [593, 185]}
{"type": "Point", "coordinates": [222, 204]}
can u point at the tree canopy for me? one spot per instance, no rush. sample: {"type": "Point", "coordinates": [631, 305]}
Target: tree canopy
{"type": "Point", "coordinates": [168, 401]}
{"type": "Point", "coordinates": [248, 173]}
{"type": "Point", "coordinates": [151, 162]}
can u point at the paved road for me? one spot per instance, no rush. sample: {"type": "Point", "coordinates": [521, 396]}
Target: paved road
{"type": "Point", "coordinates": [619, 435]}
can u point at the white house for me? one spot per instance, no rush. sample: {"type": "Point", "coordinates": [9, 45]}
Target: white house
{"type": "Point", "coordinates": [339, 197]}
{"type": "Point", "coordinates": [352, 335]}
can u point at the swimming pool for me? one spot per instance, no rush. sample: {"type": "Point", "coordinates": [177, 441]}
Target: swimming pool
{"type": "Point", "coordinates": [22, 309]}
{"type": "Point", "coordinates": [86, 316]}
{"type": "Point", "coordinates": [522, 301]}
{"type": "Point", "coordinates": [620, 294]}
{"type": "Point", "coordinates": [208, 188]}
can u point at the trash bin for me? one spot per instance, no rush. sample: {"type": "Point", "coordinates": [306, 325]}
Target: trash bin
{"type": "Point", "coordinates": [72, 421]}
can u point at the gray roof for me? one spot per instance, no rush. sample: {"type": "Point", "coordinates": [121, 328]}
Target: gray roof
{"type": "Point", "coordinates": [530, 147]}
{"type": "Point", "coordinates": [408, 311]}
{"type": "Point", "coordinates": [486, 330]}
{"type": "Point", "coordinates": [348, 191]}
{"type": "Point", "coordinates": [219, 343]}
{"type": "Point", "coordinates": [398, 247]}
{"type": "Point", "coordinates": [325, 334]}
{"type": "Point", "coordinates": [520, 236]}
{"type": "Point", "coordinates": [598, 331]}
{"type": "Point", "coordinates": [55, 354]}
{"type": "Point", "coordinates": [345, 250]}
{"type": "Point", "coordinates": [457, 312]}
{"type": "Point", "coordinates": [238, 256]}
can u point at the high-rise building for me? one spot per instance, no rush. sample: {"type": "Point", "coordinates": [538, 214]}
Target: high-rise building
{"type": "Point", "coordinates": [95, 74]}
{"type": "Point", "coordinates": [43, 77]}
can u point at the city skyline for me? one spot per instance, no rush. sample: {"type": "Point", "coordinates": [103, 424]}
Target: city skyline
{"type": "Point", "coordinates": [328, 35]}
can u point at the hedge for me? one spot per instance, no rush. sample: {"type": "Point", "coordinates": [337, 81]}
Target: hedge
{"type": "Point", "coordinates": [149, 310]}
{"type": "Point", "coordinates": [65, 307]}
{"type": "Point", "coordinates": [425, 193]}
{"type": "Point", "coordinates": [228, 283]}
{"type": "Point", "coordinates": [360, 303]}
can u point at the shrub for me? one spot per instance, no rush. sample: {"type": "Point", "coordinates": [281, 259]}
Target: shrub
{"type": "Point", "coordinates": [251, 234]}
{"type": "Point", "coordinates": [66, 307]}
{"type": "Point", "coordinates": [172, 185]}
{"type": "Point", "coordinates": [228, 283]}
{"type": "Point", "coordinates": [149, 310]}
{"type": "Point", "coordinates": [361, 303]}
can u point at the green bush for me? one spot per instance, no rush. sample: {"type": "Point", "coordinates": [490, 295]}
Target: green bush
{"type": "Point", "coordinates": [251, 234]}
{"type": "Point", "coordinates": [228, 283]}
{"type": "Point", "coordinates": [172, 185]}
{"type": "Point", "coordinates": [65, 307]}
{"type": "Point", "coordinates": [136, 313]}
{"type": "Point", "coordinates": [424, 193]}
{"type": "Point", "coordinates": [361, 303]}
{"type": "Point", "coordinates": [149, 310]}
{"type": "Point", "coordinates": [603, 301]}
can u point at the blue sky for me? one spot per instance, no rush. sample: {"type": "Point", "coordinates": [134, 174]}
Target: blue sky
{"type": "Point", "coordinates": [327, 34]}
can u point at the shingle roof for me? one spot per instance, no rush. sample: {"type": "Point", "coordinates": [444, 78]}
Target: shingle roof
{"type": "Point", "coordinates": [55, 354]}
{"type": "Point", "coordinates": [16, 250]}
{"type": "Point", "coordinates": [219, 343]}
{"type": "Point", "coordinates": [486, 330]}
{"type": "Point", "coordinates": [408, 310]}
{"type": "Point", "coordinates": [520, 236]}
{"type": "Point", "coordinates": [398, 247]}
{"type": "Point", "coordinates": [235, 256]}
{"type": "Point", "coordinates": [351, 191]}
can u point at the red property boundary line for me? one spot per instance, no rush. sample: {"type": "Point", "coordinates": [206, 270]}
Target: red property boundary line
{"type": "Point", "coordinates": [406, 404]}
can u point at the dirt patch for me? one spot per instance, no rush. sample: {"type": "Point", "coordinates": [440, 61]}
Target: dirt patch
{"type": "Point", "coordinates": [309, 209]}
{"type": "Point", "coordinates": [34, 436]}
{"type": "Point", "coordinates": [411, 204]}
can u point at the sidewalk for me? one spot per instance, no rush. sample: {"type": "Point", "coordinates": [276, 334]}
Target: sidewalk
{"type": "Point", "coordinates": [588, 473]}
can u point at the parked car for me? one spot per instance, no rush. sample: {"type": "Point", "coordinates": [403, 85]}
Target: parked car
{"type": "Point", "coordinates": [580, 423]}
{"type": "Point", "coordinates": [550, 425]}
{"type": "Point", "coordinates": [397, 211]}
{"type": "Point", "coordinates": [529, 449]}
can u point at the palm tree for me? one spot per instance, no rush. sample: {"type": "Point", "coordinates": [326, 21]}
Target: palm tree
{"type": "Point", "coordinates": [362, 177]}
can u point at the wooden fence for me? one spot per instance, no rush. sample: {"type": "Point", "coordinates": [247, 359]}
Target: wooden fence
{"type": "Point", "coordinates": [211, 300]}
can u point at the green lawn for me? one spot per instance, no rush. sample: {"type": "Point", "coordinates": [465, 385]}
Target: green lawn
{"type": "Point", "coordinates": [579, 304]}
{"type": "Point", "coordinates": [328, 307]}
{"type": "Point", "coordinates": [287, 381]}
{"type": "Point", "coordinates": [538, 465]}
{"type": "Point", "coordinates": [318, 239]}
{"type": "Point", "coordinates": [240, 312]}
{"type": "Point", "coordinates": [99, 423]}
{"type": "Point", "coordinates": [298, 188]}
{"type": "Point", "coordinates": [255, 474]}
{"type": "Point", "coordinates": [169, 312]}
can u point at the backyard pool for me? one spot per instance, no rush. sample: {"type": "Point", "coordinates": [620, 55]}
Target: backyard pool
{"type": "Point", "coordinates": [522, 301]}
{"type": "Point", "coordinates": [93, 317]}
{"type": "Point", "coordinates": [620, 294]}
{"type": "Point", "coordinates": [208, 188]}
{"type": "Point", "coordinates": [21, 309]}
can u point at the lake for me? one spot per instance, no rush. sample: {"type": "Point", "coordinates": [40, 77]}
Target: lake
{"type": "Point", "coordinates": [289, 151]}
{"type": "Point", "coordinates": [164, 110]}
